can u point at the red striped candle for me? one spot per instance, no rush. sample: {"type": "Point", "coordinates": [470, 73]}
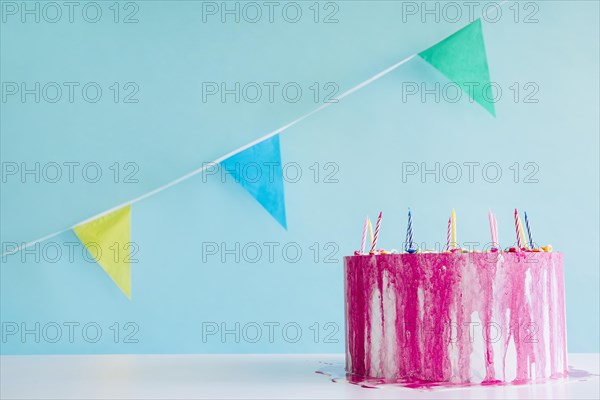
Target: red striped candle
{"type": "Point", "coordinates": [517, 229]}
{"type": "Point", "coordinates": [448, 234]}
{"type": "Point", "coordinates": [375, 237]}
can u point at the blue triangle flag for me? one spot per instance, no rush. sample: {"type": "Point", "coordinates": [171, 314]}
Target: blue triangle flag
{"type": "Point", "coordinates": [258, 169]}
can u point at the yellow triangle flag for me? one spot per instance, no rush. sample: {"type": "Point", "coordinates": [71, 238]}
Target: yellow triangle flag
{"type": "Point", "coordinates": [107, 239]}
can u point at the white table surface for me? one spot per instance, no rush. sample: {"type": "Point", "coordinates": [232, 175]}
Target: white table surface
{"type": "Point", "coordinates": [240, 376]}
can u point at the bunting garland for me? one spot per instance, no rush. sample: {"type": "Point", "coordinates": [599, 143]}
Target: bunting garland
{"type": "Point", "coordinates": [461, 57]}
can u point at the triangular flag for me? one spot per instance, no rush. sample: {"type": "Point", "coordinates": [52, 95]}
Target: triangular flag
{"type": "Point", "coordinates": [107, 239]}
{"type": "Point", "coordinates": [258, 169]}
{"type": "Point", "coordinates": [462, 59]}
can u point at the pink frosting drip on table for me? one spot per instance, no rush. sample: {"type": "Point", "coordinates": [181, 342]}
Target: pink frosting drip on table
{"type": "Point", "coordinates": [407, 316]}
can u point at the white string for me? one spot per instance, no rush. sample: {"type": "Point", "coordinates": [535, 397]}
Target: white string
{"type": "Point", "coordinates": [218, 160]}
{"type": "Point", "coordinates": [226, 156]}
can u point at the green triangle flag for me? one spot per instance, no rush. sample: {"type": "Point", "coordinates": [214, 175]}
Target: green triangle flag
{"type": "Point", "coordinates": [107, 239]}
{"type": "Point", "coordinates": [461, 58]}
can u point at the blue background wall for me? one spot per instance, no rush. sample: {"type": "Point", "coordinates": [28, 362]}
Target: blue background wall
{"type": "Point", "coordinates": [168, 53]}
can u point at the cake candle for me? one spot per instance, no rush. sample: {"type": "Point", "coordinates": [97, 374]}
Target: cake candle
{"type": "Point", "coordinates": [376, 232]}
{"type": "Point", "coordinates": [522, 233]}
{"type": "Point", "coordinates": [454, 244]}
{"type": "Point", "coordinates": [517, 229]}
{"type": "Point", "coordinates": [491, 219]}
{"type": "Point", "coordinates": [370, 230]}
{"type": "Point", "coordinates": [496, 231]}
{"type": "Point", "coordinates": [448, 234]}
{"type": "Point", "coordinates": [364, 236]}
{"type": "Point", "coordinates": [409, 237]}
{"type": "Point", "coordinates": [528, 230]}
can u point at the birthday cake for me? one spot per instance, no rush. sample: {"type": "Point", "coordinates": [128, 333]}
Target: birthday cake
{"type": "Point", "coordinates": [455, 316]}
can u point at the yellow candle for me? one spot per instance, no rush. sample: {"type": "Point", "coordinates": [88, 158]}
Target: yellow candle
{"type": "Point", "coordinates": [523, 237]}
{"type": "Point", "coordinates": [453, 229]}
{"type": "Point", "coordinates": [370, 231]}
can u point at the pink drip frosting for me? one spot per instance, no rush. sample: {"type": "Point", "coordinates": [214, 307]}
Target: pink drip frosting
{"type": "Point", "coordinates": [416, 317]}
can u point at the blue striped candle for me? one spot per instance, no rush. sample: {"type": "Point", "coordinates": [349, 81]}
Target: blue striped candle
{"type": "Point", "coordinates": [528, 231]}
{"type": "Point", "coordinates": [409, 236]}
